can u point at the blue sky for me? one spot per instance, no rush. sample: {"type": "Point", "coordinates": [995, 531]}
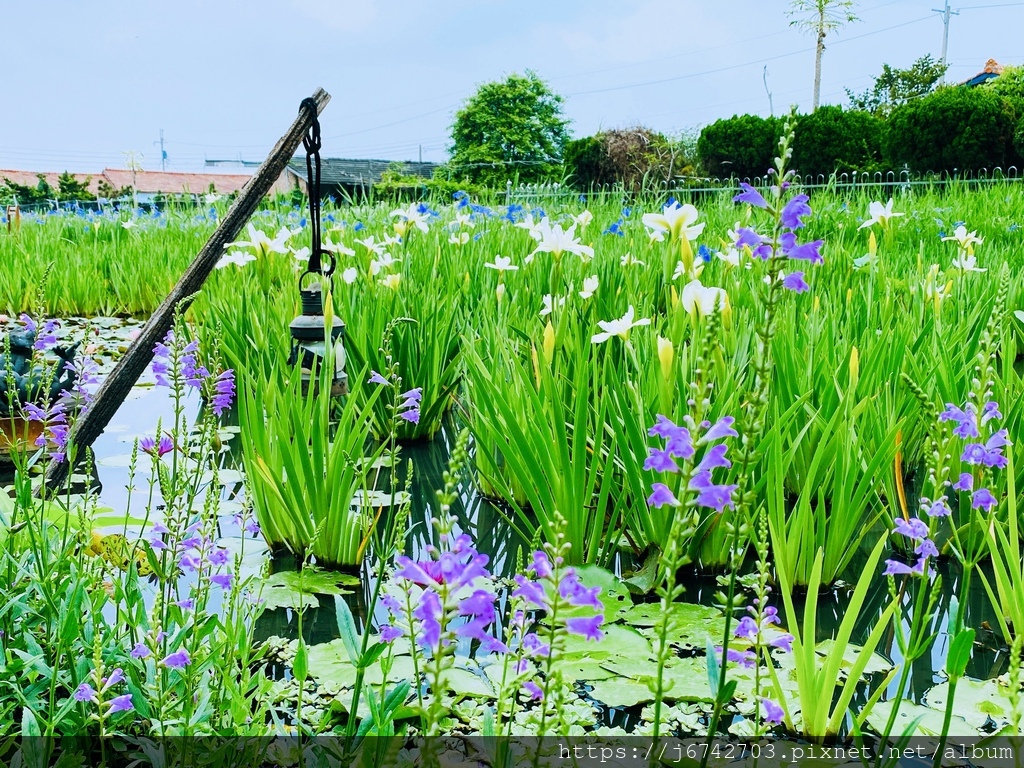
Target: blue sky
{"type": "Point", "coordinates": [223, 78]}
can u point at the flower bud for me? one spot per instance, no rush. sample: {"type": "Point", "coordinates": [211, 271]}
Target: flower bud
{"type": "Point", "coordinates": [666, 354]}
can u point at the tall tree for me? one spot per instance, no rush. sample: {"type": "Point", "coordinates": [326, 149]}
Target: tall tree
{"type": "Point", "coordinates": [510, 128]}
{"type": "Point", "coordinates": [820, 18]}
{"type": "Point", "coordinates": [898, 86]}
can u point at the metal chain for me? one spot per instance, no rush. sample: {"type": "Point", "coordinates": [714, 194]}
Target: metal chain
{"type": "Point", "coordinates": [311, 142]}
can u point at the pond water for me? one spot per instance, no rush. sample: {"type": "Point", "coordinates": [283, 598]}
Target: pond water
{"type": "Point", "coordinates": [148, 405]}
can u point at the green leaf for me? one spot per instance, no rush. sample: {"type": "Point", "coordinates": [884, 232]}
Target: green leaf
{"type": "Point", "coordinates": [300, 664]}
{"type": "Point", "coordinates": [347, 629]}
{"type": "Point", "coordinates": [959, 653]}
{"type": "Point", "coordinates": [284, 590]}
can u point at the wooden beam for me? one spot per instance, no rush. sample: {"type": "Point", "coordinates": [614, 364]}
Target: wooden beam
{"type": "Point", "coordinates": [118, 384]}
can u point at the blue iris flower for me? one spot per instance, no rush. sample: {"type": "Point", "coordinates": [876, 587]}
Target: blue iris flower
{"type": "Point", "coordinates": [481, 210]}
{"type": "Point", "coordinates": [615, 229]}
{"type": "Point", "coordinates": [538, 213]}
{"type": "Point", "coordinates": [514, 213]}
{"type": "Point", "coordinates": [626, 212]}
{"type": "Point", "coordinates": [669, 203]}
{"type": "Point", "coordinates": [302, 222]}
{"type": "Point", "coordinates": [359, 227]}
{"type": "Point", "coordinates": [582, 199]}
{"type": "Point", "coordinates": [704, 252]}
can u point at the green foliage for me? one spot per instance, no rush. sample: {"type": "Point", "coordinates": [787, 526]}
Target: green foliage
{"type": "Point", "coordinates": [510, 128]}
{"type": "Point", "coordinates": [831, 140]}
{"type": "Point", "coordinates": [1018, 137]}
{"type": "Point", "coordinates": [587, 163]}
{"type": "Point", "coordinates": [895, 87]}
{"type": "Point", "coordinates": [70, 188]}
{"type": "Point", "coordinates": [26, 195]}
{"type": "Point", "coordinates": [954, 128]}
{"type": "Point", "coordinates": [740, 146]}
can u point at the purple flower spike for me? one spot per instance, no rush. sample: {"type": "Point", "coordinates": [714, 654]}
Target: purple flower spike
{"type": "Point", "coordinates": [533, 691]}
{"type": "Point", "coordinates": [783, 642]}
{"type": "Point", "coordinates": [965, 483]}
{"type": "Point", "coordinates": [808, 252]}
{"type": "Point", "coordinates": [121, 704]}
{"type": "Point", "coordinates": [795, 210]}
{"type": "Point", "coordinates": [530, 591]}
{"type": "Point", "coordinates": [388, 633]}
{"type": "Point", "coordinates": [983, 499]}
{"type": "Point", "coordinates": [913, 528]}
{"type": "Point", "coordinates": [938, 509]}
{"type": "Point", "coordinates": [177, 660]}
{"type": "Point", "coordinates": [713, 458]}
{"type": "Point", "coordinates": [966, 423]}
{"type": "Point", "coordinates": [140, 651]}
{"type": "Point", "coordinates": [772, 712]}
{"type": "Point", "coordinates": [588, 628]}
{"type": "Point", "coordinates": [795, 282]}
{"type": "Point", "coordinates": [660, 461]}
{"type": "Point", "coordinates": [86, 692]}
{"type": "Point", "coordinates": [223, 392]}
{"type": "Point", "coordinates": [723, 428]}
{"type": "Point", "coordinates": [716, 497]}
{"type": "Point", "coordinates": [376, 378]}
{"type": "Point", "coordinates": [750, 196]}
{"type": "Point", "coordinates": [541, 565]}
{"type": "Point", "coordinates": [896, 568]}
{"type": "Point", "coordinates": [927, 548]}
{"type": "Point", "coordinates": [660, 496]}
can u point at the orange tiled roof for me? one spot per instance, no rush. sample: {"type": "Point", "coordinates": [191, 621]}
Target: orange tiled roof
{"type": "Point", "coordinates": [31, 178]}
{"type": "Point", "coordinates": [175, 183]}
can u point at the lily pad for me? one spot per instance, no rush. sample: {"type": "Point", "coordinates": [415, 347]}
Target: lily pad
{"type": "Point", "coordinates": [851, 654]}
{"type": "Point", "coordinates": [619, 692]}
{"type": "Point", "coordinates": [693, 624]}
{"type": "Point", "coordinates": [292, 589]}
{"type": "Point", "coordinates": [613, 595]}
{"type": "Point", "coordinates": [976, 701]}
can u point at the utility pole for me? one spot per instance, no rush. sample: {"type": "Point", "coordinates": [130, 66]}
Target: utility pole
{"type": "Point", "coordinates": [163, 152]}
{"type": "Point", "coordinates": [946, 13]}
{"type": "Point", "coordinates": [421, 153]}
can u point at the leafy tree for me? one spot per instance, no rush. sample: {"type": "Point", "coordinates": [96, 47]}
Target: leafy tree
{"type": "Point", "coordinates": [954, 128]}
{"type": "Point", "coordinates": [510, 128]}
{"type": "Point", "coordinates": [831, 140]}
{"type": "Point", "coordinates": [820, 17]}
{"type": "Point", "coordinates": [587, 162]}
{"type": "Point", "coordinates": [70, 188]}
{"type": "Point", "coordinates": [26, 195]}
{"type": "Point", "coordinates": [895, 87]}
{"type": "Point", "coordinates": [741, 146]}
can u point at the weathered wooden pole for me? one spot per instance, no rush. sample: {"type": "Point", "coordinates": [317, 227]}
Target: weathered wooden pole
{"type": "Point", "coordinates": [118, 384]}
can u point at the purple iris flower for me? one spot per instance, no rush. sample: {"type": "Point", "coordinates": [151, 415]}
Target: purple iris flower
{"type": "Point", "coordinates": [750, 196]}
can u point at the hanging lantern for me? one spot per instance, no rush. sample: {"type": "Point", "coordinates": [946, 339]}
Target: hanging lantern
{"type": "Point", "coordinates": [311, 340]}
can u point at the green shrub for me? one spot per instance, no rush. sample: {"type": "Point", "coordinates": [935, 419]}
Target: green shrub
{"type": "Point", "coordinates": [587, 163]}
{"type": "Point", "coordinates": [953, 128]}
{"type": "Point", "coordinates": [1018, 139]}
{"type": "Point", "coordinates": [830, 140]}
{"type": "Point", "coordinates": [742, 145]}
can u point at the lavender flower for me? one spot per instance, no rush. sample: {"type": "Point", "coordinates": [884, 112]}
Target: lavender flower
{"type": "Point", "coordinates": [795, 282]}
{"type": "Point", "coordinates": [154, 448]}
{"type": "Point", "coordinates": [660, 496]}
{"type": "Point", "coordinates": [409, 409]}
{"type": "Point", "coordinates": [794, 211]}
{"type": "Point", "coordinates": [772, 712]}
{"type": "Point", "coordinates": [533, 691]}
{"type": "Point", "coordinates": [177, 660]}
{"type": "Point", "coordinates": [140, 651]}
{"type": "Point", "coordinates": [913, 528]}
{"type": "Point", "coordinates": [376, 378]}
{"type": "Point", "coordinates": [86, 692]}
{"type": "Point", "coordinates": [983, 499]}
{"type": "Point", "coordinates": [223, 392]}
{"type": "Point", "coordinates": [750, 196]}
{"type": "Point", "coordinates": [121, 704]}
{"type": "Point", "coordinates": [966, 423]}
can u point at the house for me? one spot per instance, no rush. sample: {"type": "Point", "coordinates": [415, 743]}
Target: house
{"type": "Point", "coordinates": [992, 70]}
{"type": "Point", "coordinates": [350, 178]}
{"type": "Point", "coordinates": [31, 179]}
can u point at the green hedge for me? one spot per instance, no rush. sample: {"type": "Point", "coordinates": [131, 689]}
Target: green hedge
{"type": "Point", "coordinates": [587, 164]}
{"type": "Point", "coordinates": [832, 140]}
{"type": "Point", "coordinates": [741, 146]}
{"type": "Point", "coordinates": [954, 128]}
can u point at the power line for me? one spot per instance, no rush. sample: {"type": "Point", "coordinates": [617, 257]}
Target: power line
{"type": "Point", "coordinates": [743, 64]}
